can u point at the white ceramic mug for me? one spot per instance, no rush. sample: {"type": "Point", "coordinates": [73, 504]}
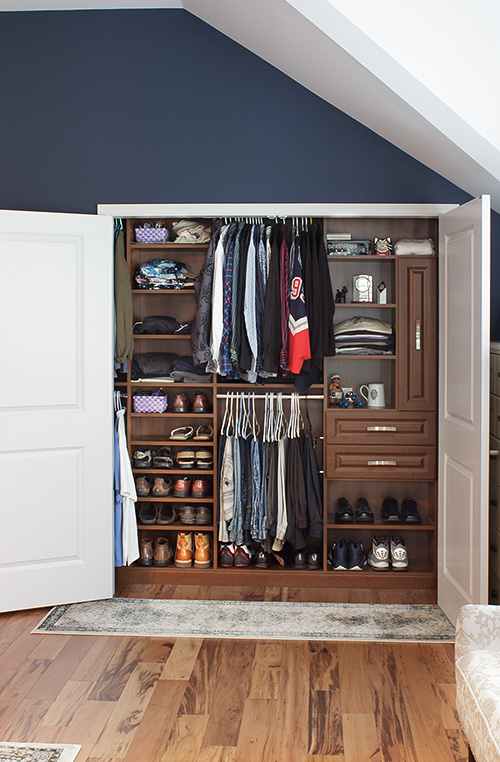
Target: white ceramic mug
{"type": "Point", "coordinates": [375, 394]}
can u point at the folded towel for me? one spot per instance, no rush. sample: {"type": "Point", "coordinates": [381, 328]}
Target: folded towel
{"type": "Point", "coordinates": [410, 247]}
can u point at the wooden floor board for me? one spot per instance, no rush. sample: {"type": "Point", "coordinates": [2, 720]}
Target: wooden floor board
{"type": "Point", "coordinates": [207, 700]}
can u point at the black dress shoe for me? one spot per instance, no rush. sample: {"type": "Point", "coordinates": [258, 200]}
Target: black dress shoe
{"type": "Point", "coordinates": [263, 560]}
{"type": "Point", "coordinates": [344, 513]}
{"type": "Point", "coordinates": [390, 511]}
{"type": "Point", "coordinates": [363, 513]}
{"type": "Point", "coordinates": [299, 559]}
{"type": "Point", "coordinates": [409, 511]}
{"type": "Point", "coordinates": [313, 560]}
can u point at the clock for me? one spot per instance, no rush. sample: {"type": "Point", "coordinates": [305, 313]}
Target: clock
{"type": "Point", "coordinates": [362, 288]}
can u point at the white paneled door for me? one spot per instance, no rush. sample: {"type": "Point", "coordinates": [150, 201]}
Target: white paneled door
{"type": "Point", "coordinates": [56, 432]}
{"type": "Point", "coordinates": [464, 275]}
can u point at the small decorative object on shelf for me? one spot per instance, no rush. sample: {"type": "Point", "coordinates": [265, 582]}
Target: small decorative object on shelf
{"type": "Point", "coordinates": [334, 391]}
{"type": "Point", "coordinates": [349, 397]}
{"type": "Point", "coordinates": [341, 295]}
{"type": "Point", "coordinates": [382, 246]}
{"type": "Point", "coordinates": [362, 288]}
{"type": "Point", "coordinates": [382, 293]}
{"type": "Point", "coordinates": [344, 248]}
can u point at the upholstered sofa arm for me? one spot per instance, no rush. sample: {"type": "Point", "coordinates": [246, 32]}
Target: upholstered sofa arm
{"type": "Point", "coordinates": [478, 629]}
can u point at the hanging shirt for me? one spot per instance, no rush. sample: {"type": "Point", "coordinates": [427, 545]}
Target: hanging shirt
{"type": "Point", "coordinates": [130, 540]}
{"type": "Point", "coordinates": [298, 325]}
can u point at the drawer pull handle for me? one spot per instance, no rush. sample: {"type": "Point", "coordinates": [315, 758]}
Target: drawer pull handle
{"type": "Point", "coordinates": [494, 453]}
{"type": "Point", "coordinates": [381, 428]}
{"type": "Point", "coordinates": [382, 463]}
{"type": "Point", "coordinates": [417, 335]}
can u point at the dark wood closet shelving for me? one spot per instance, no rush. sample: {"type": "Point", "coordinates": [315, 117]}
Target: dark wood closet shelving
{"type": "Point", "coordinates": [410, 379]}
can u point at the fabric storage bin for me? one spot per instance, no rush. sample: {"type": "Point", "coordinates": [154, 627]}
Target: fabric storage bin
{"type": "Point", "coordinates": [152, 402]}
{"type": "Point", "coordinates": [151, 235]}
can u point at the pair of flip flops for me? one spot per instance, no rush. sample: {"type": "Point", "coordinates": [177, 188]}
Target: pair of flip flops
{"type": "Point", "coordinates": [192, 459]}
{"type": "Point", "coordinates": [204, 432]}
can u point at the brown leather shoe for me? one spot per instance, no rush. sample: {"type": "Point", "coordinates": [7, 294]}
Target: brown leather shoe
{"type": "Point", "coordinates": [182, 486]}
{"type": "Point", "coordinates": [184, 551]}
{"type": "Point", "coordinates": [202, 554]}
{"type": "Point", "coordinates": [162, 487]}
{"type": "Point", "coordinates": [201, 403]}
{"type": "Point", "coordinates": [201, 488]}
{"type": "Point", "coordinates": [204, 514]}
{"type": "Point", "coordinates": [146, 552]}
{"type": "Point", "coordinates": [143, 485]}
{"type": "Point", "coordinates": [180, 403]}
{"type": "Point", "coordinates": [162, 553]}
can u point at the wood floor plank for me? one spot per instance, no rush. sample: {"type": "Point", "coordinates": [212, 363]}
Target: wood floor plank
{"type": "Point", "coordinates": [22, 723]}
{"type": "Point", "coordinates": [116, 674]}
{"type": "Point", "coordinates": [49, 646]}
{"type": "Point", "coordinates": [355, 685]}
{"type": "Point", "coordinates": [158, 649]}
{"type": "Point", "coordinates": [185, 739]}
{"type": "Point", "coordinates": [217, 754]}
{"type": "Point", "coordinates": [266, 671]}
{"type": "Point", "coordinates": [151, 737]}
{"type": "Point", "coordinates": [204, 679]}
{"type": "Point", "coordinates": [255, 741]}
{"type": "Point", "coordinates": [98, 657]}
{"type": "Point", "coordinates": [226, 707]}
{"type": "Point", "coordinates": [186, 592]}
{"type": "Point", "coordinates": [61, 669]}
{"type": "Point", "coordinates": [63, 710]}
{"type": "Point", "coordinates": [19, 648]}
{"type": "Point", "coordinates": [445, 695]}
{"type": "Point", "coordinates": [128, 711]}
{"type": "Point", "coordinates": [324, 675]}
{"type": "Point", "coordinates": [273, 593]}
{"type": "Point", "coordinates": [442, 670]}
{"type": "Point", "coordinates": [17, 684]}
{"type": "Point", "coordinates": [182, 658]}
{"type": "Point", "coordinates": [325, 723]}
{"type": "Point", "coordinates": [360, 738]}
{"type": "Point", "coordinates": [85, 728]}
{"type": "Point", "coordinates": [290, 742]}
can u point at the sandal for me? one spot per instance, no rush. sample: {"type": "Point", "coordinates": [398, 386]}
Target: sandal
{"type": "Point", "coordinates": [182, 433]}
{"type": "Point", "coordinates": [185, 459]}
{"type": "Point", "coordinates": [142, 459]}
{"type": "Point", "coordinates": [162, 458]}
{"type": "Point", "coordinates": [204, 459]}
{"type": "Point", "coordinates": [204, 432]}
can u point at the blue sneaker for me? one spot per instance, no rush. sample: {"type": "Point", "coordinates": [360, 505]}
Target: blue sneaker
{"type": "Point", "coordinates": [338, 555]}
{"type": "Point", "coordinates": [356, 557]}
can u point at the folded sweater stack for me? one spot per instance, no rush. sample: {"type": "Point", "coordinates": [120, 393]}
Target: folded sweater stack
{"type": "Point", "coordinates": [364, 336]}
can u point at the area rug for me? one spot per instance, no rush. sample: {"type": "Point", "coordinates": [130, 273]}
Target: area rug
{"type": "Point", "coordinates": [253, 620]}
{"type": "Point", "coordinates": [38, 752]}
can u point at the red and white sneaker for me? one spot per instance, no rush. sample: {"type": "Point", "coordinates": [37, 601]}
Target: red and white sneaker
{"type": "Point", "coordinates": [226, 554]}
{"type": "Point", "coordinates": [242, 555]}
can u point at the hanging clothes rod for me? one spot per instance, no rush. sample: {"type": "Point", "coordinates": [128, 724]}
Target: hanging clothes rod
{"type": "Point", "coordinates": [263, 396]}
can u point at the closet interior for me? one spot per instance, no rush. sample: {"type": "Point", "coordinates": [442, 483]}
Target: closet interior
{"type": "Point", "coordinates": [365, 451]}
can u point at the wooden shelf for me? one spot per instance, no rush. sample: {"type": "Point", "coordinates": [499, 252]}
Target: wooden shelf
{"type": "Point", "coordinates": [177, 526]}
{"type": "Point", "coordinates": [365, 357]}
{"type": "Point", "coordinates": [184, 384]}
{"type": "Point", "coordinates": [388, 529]}
{"type": "Point", "coordinates": [157, 336]}
{"type": "Point", "coordinates": [159, 416]}
{"type": "Point", "coordinates": [361, 257]}
{"type": "Point", "coordinates": [152, 441]}
{"type": "Point", "coordinates": [172, 499]}
{"type": "Point", "coordinates": [169, 291]}
{"type": "Point", "coordinates": [164, 246]}
{"type": "Point", "coordinates": [364, 305]}
{"type": "Point", "coordinates": [174, 471]}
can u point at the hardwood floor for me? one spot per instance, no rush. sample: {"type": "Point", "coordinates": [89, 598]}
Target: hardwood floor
{"type": "Point", "coordinates": [194, 700]}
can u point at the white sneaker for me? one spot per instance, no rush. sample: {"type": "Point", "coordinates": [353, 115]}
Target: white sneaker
{"type": "Point", "coordinates": [399, 556]}
{"type": "Point", "coordinates": [378, 557]}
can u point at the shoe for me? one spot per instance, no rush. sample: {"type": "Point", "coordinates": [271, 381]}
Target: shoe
{"type": "Point", "coordinates": [204, 514]}
{"type": "Point", "coordinates": [185, 459]}
{"type": "Point", "coordinates": [162, 487]}
{"type": "Point", "coordinates": [313, 560]}
{"type": "Point", "coordinates": [378, 557]}
{"type": "Point", "coordinates": [356, 558]}
{"type": "Point", "coordinates": [187, 514]}
{"type": "Point", "coordinates": [263, 560]}
{"type": "Point", "coordinates": [166, 514]}
{"type": "Point", "coordinates": [204, 459]}
{"type": "Point", "coordinates": [344, 513]}
{"type": "Point", "coordinates": [363, 513]}
{"type": "Point", "coordinates": [184, 550]}
{"type": "Point", "coordinates": [143, 485]}
{"type": "Point", "coordinates": [142, 459]}
{"type": "Point", "coordinates": [242, 555]}
{"type": "Point", "coordinates": [338, 555]}
{"type": "Point", "coordinates": [147, 513]}
{"type": "Point", "coordinates": [299, 559]}
{"type": "Point", "coordinates": [201, 488]}
{"type": "Point", "coordinates": [182, 433]}
{"type": "Point", "coordinates": [162, 458]}
{"type": "Point", "coordinates": [201, 403]}
{"type": "Point", "coordinates": [409, 512]}
{"type": "Point", "coordinates": [399, 556]}
{"type": "Point", "coordinates": [226, 555]}
{"type": "Point", "coordinates": [162, 553]}
{"type": "Point", "coordinates": [146, 552]}
{"type": "Point", "coordinates": [182, 487]}
{"type": "Point", "coordinates": [390, 511]}
{"type": "Point", "coordinates": [204, 432]}
{"type": "Point", "coordinates": [202, 554]}
{"type": "Point", "coordinates": [180, 403]}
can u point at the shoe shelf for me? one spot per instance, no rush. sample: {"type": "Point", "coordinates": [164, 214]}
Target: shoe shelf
{"type": "Point", "coordinates": [188, 247]}
{"type": "Point", "coordinates": [174, 471]}
{"type": "Point", "coordinates": [382, 528]}
{"type": "Point", "coordinates": [178, 526]}
{"type": "Point", "coordinates": [172, 499]}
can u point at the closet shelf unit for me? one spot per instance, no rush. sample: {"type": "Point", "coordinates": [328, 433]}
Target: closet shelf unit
{"type": "Point", "coordinates": [398, 459]}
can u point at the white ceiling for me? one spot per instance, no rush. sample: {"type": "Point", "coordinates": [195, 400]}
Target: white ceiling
{"type": "Point", "coordinates": [420, 74]}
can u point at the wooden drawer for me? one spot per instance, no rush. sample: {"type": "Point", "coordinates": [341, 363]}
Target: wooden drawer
{"type": "Point", "coordinates": [495, 504]}
{"type": "Point", "coordinates": [380, 427]}
{"type": "Point", "coordinates": [494, 552]}
{"type": "Point", "coordinates": [372, 463]}
{"type": "Point", "coordinates": [494, 415]}
{"type": "Point", "coordinates": [495, 373]}
{"type": "Point", "coordinates": [495, 460]}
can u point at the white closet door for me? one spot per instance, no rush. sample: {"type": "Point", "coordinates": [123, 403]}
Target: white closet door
{"type": "Point", "coordinates": [464, 284]}
{"type": "Point", "coordinates": [56, 466]}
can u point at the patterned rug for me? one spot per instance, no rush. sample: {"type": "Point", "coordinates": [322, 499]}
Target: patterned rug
{"type": "Point", "coordinates": [38, 752]}
{"type": "Point", "coordinates": [252, 620]}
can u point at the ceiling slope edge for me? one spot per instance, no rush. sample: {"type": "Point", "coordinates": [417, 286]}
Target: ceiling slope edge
{"type": "Point", "coordinates": [314, 44]}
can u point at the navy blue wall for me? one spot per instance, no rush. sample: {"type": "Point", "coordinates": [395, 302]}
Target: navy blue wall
{"type": "Point", "coordinates": [156, 106]}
